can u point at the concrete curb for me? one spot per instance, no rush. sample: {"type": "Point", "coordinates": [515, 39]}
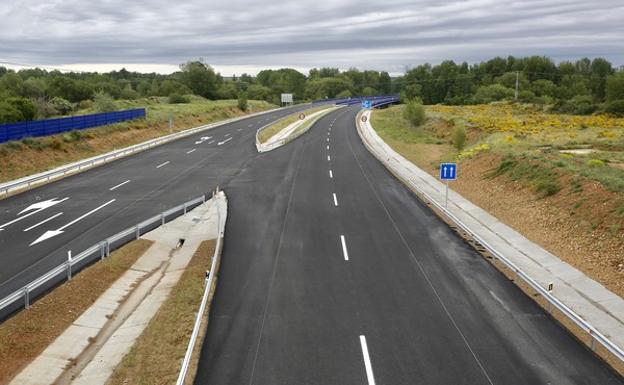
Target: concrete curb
{"type": "Point", "coordinates": [28, 182]}
{"type": "Point", "coordinates": [290, 132]}
{"type": "Point", "coordinates": [601, 312]}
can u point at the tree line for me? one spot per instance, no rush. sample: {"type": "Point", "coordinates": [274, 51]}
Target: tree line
{"type": "Point", "coordinates": [582, 87]}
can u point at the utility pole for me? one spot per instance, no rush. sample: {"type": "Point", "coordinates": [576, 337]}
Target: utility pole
{"type": "Point", "coordinates": [517, 83]}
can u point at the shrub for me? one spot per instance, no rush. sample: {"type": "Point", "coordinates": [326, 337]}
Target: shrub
{"type": "Point", "coordinates": [25, 106]}
{"type": "Point", "coordinates": [129, 94]}
{"type": "Point", "coordinates": [178, 99]}
{"type": "Point", "coordinates": [72, 136]}
{"type": "Point", "coordinates": [580, 104]}
{"type": "Point", "coordinates": [44, 109]}
{"type": "Point", "coordinates": [63, 106]}
{"type": "Point", "coordinates": [526, 96]}
{"type": "Point", "coordinates": [615, 108]}
{"type": "Point", "coordinates": [9, 114]}
{"type": "Point", "coordinates": [595, 163]}
{"type": "Point", "coordinates": [459, 137]}
{"type": "Point", "coordinates": [242, 102]}
{"type": "Point", "coordinates": [86, 104]}
{"type": "Point", "coordinates": [414, 113]}
{"type": "Point", "coordinates": [33, 143]}
{"type": "Point", "coordinates": [492, 93]}
{"type": "Point", "coordinates": [103, 102]}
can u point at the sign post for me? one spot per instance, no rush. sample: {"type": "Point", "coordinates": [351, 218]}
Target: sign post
{"type": "Point", "coordinates": [448, 172]}
{"type": "Point", "coordinates": [368, 104]}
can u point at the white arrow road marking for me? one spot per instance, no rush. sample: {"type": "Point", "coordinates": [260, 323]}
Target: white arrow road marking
{"type": "Point", "coordinates": [190, 152]}
{"type": "Point", "coordinates": [38, 207]}
{"type": "Point", "coordinates": [119, 185]}
{"type": "Point", "coordinates": [225, 141]}
{"type": "Point", "coordinates": [44, 221]}
{"type": "Point", "coordinates": [163, 164]}
{"type": "Point", "coordinates": [344, 248]}
{"type": "Point", "coordinates": [367, 362]}
{"type": "Point", "coordinates": [52, 233]}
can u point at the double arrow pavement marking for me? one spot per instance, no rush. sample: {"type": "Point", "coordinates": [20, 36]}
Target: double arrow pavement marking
{"type": "Point", "coordinates": [53, 233]}
{"type": "Point", "coordinates": [37, 207]}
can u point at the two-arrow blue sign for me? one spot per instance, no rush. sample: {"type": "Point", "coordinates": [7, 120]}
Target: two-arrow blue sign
{"type": "Point", "coordinates": [367, 104]}
{"type": "Point", "coordinates": [448, 171]}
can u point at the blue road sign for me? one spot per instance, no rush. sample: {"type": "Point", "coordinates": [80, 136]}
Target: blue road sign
{"type": "Point", "coordinates": [367, 104]}
{"type": "Point", "coordinates": [448, 171]}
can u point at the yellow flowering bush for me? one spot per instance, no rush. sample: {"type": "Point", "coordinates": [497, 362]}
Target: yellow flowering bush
{"type": "Point", "coordinates": [470, 152]}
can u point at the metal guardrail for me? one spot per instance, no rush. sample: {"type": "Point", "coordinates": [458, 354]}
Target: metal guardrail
{"type": "Point", "coordinates": [27, 182]}
{"type": "Point", "coordinates": [593, 333]}
{"type": "Point", "coordinates": [210, 279]}
{"type": "Point", "coordinates": [100, 250]}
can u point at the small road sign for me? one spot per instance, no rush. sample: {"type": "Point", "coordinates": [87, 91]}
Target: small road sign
{"type": "Point", "coordinates": [367, 104]}
{"type": "Point", "coordinates": [364, 118]}
{"type": "Point", "coordinates": [301, 116]}
{"type": "Point", "coordinates": [448, 171]}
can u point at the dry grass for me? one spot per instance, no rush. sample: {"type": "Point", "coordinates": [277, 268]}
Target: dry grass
{"type": "Point", "coordinates": [272, 130]}
{"type": "Point", "coordinates": [156, 356]}
{"type": "Point", "coordinates": [30, 156]}
{"type": "Point", "coordinates": [27, 334]}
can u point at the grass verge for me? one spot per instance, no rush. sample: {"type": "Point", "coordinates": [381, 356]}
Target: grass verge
{"type": "Point", "coordinates": [272, 130]}
{"type": "Point", "coordinates": [33, 155]}
{"type": "Point", "coordinates": [156, 356]}
{"type": "Point", "coordinates": [27, 334]}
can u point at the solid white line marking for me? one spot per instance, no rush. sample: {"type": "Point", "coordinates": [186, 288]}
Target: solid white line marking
{"type": "Point", "coordinates": [331, 174]}
{"type": "Point", "coordinates": [44, 221]}
{"type": "Point", "coordinates": [328, 158]}
{"type": "Point", "coordinates": [335, 200]}
{"type": "Point", "coordinates": [190, 152]}
{"type": "Point", "coordinates": [53, 233]}
{"type": "Point", "coordinates": [119, 185]}
{"type": "Point", "coordinates": [344, 248]}
{"type": "Point", "coordinates": [367, 362]}
{"type": "Point", "coordinates": [225, 141]}
{"type": "Point", "coordinates": [163, 164]}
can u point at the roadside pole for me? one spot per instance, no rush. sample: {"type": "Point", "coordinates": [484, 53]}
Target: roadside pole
{"type": "Point", "coordinates": [448, 172]}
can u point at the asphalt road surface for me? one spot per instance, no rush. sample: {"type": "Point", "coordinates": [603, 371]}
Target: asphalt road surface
{"type": "Point", "coordinates": [93, 205]}
{"type": "Point", "coordinates": [332, 272]}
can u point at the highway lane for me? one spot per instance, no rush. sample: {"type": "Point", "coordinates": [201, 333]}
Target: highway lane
{"type": "Point", "coordinates": [334, 273]}
{"type": "Point", "coordinates": [100, 202]}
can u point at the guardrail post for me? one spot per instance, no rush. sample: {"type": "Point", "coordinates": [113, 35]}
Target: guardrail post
{"type": "Point", "coordinates": [26, 298]}
{"type": "Point", "coordinates": [185, 209]}
{"type": "Point", "coordinates": [107, 248]}
{"type": "Point", "coordinates": [138, 232]}
{"type": "Point", "coordinates": [69, 265]}
{"type": "Point", "coordinates": [162, 219]}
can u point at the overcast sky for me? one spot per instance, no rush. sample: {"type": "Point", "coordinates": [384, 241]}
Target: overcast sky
{"type": "Point", "coordinates": [237, 36]}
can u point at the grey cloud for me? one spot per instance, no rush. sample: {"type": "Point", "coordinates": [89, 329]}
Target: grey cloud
{"type": "Point", "coordinates": [382, 35]}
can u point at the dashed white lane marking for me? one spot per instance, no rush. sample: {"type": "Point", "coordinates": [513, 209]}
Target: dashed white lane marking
{"type": "Point", "coordinates": [328, 158]}
{"type": "Point", "coordinates": [251, 125]}
{"type": "Point", "coordinates": [344, 248]}
{"type": "Point", "coordinates": [226, 135]}
{"type": "Point", "coordinates": [225, 141]}
{"type": "Point", "coordinates": [328, 139]}
{"type": "Point", "coordinates": [119, 185]}
{"type": "Point", "coordinates": [335, 200]}
{"type": "Point", "coordinates": [211, 142]}
{"type": "Point", "coordinates": [328, 148]}
{"type": "Point", "coordinates": [367, 362]}
{"type": "Point", "coordinates": [163, 164]}
{"type": "Point", "coordinates": [44, 221]}
{"type": "Point", "coordinates": [190, 152]}
{"type": "Point", "coordinates": [331, 174]}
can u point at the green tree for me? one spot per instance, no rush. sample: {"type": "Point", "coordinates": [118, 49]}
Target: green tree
{"type": "Point", "coordinates": [242, 102]}
{"type": "Point", "coordinates": [25, 106]}
{"type": "Point", "coordinates": [492, 93]}
{"type": "Point", "coordinates": [103, 102]}
{"type": "Point", "coordinates": [414, 113]}
{"type": "Point", "coordinates": [200, 78]}
{"type": "Point", "coordinates": [615, 87]}
{"type": "Point", "coordinates": [9, 114]}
